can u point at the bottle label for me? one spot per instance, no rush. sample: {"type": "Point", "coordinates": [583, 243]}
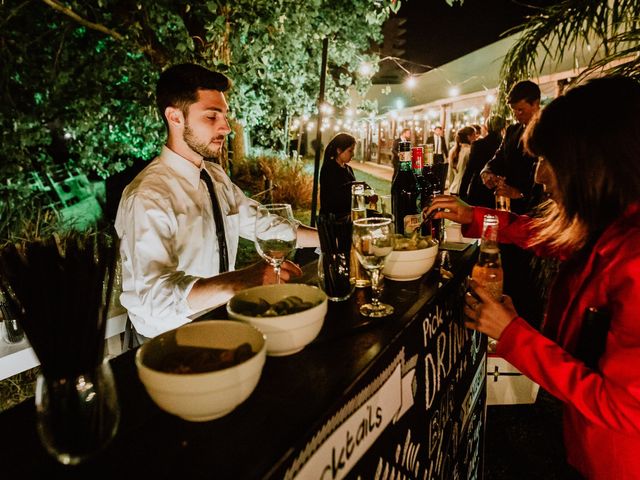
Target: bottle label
{"type": "Point", "coordinates": [412, 222]}
{"type": "Point", "coordinates": [416, 158]}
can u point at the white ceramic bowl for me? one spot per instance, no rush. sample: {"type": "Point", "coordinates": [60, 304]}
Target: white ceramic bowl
{"type": "Point", "coordinates": [408, 265]}
{"type": "Point", "coordinates": [286, 334]}
{"type": "Point", "coordinates": [204, 396]}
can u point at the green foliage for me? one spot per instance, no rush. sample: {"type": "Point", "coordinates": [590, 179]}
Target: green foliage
{"type": "Point", "coordinates": [289, 178]}
{"type": "Point", "coordinates": [18, 388]}
{"type": "Point", "coordinates": [77, 85]}
{"type": "Point", "coordinates": [610, 25]}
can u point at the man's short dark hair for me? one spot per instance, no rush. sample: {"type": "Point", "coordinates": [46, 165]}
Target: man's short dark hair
{"type": "Point", "coordinates": [524, 90]}
{"type": "Point", "coordinates": [178, 86]}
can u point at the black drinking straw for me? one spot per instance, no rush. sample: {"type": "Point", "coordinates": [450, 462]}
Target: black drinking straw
{"type": "Point", "coordinates": [59, 287]}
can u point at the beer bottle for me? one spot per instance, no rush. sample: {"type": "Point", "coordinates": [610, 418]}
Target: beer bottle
{"type": "Point", "coordinates": [404, 194]}
{"type": "Point", "coordinates": [488, 270]}
{"type": "Point", "coordinates": [502, 201]}
{"type": "Point", "coordinates": [358, 210]}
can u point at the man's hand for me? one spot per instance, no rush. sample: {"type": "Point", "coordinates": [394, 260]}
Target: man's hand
{"type": "Point", "coordinates": [490, 180]}
{"type": "Point", "coordinates": [452, 208]}
{"type": "Point", "coordinates": [261, 273]}
{"type": "Point", "coordinates": [213, 291]}
{"type": "Point", "coordinates": [508, 191]}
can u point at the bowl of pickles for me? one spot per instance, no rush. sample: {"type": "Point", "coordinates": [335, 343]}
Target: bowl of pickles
{"type": "Point", "coordinates": [412, 256]}
{"type": "Point", "coordinates": [290, 314]}
{"type": "Point", "coordinates": [202, 370]}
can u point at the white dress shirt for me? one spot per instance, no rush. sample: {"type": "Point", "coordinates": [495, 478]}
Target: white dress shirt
{"type": "Point", "coordinates": [455, 174]}
{"type": "Point", "coordinates": [168, 238]}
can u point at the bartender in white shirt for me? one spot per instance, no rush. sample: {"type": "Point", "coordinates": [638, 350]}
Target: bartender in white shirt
{"type": "Point", "coordinates": [169, 250]}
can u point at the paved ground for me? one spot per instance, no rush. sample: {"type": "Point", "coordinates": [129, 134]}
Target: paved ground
{"type": "Point", "coordinates": [381, 171]}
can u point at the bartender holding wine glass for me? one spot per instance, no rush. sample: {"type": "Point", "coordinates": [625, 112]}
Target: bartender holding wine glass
{"type": "Point", "coordinates": [180, 219]}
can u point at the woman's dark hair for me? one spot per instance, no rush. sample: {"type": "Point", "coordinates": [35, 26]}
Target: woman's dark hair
{"type": "Point", "coordinates": [590, 137]}
{"type": "Point", "coordinates": [341, 142]}
{"type": "Point", "coordinates": [462, 136]}
{"type": "Point", "coordinates": [178, 86]}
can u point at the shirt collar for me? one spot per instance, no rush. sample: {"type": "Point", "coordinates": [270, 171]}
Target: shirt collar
{"type": "Point", "coordinates": [181, 165]}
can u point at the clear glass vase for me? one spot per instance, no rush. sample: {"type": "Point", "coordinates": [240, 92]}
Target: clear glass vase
{"type": "Point", "coordinates": [77, 416]}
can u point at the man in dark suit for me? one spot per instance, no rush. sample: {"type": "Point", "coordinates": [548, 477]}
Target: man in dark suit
{"type": "Point", "coordinates": [405, 136]}
{"type": "Point", "coordinates": [521, 280]}
{"type": "Point", "coordinates": [440, 147]}
{"type": "Point", "coordinates": [472, 190]}
{"type": "Point", "coordinates": [510, 161]}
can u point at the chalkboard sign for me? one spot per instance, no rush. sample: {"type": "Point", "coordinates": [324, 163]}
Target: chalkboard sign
{"type": "Point", "coordinates": [417, 413]}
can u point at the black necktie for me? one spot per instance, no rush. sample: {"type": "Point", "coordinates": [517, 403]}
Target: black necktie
{"type": "Point", "coordinates": [217, 218]}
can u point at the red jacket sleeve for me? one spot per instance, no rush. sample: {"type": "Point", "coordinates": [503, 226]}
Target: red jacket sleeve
{"type": "Point", "coordinates": [516, 229]}
{"type": "Point", "coordinates": [609, 396]}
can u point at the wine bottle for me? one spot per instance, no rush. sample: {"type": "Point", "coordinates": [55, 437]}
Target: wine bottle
{"type": "Point", "coordinates": [404, 194]}
{"type": "Point", "coordinates": [431, 188]}
{"type": "Point", "coordinates": [417, 161]}
{"type": "Point", "coordinates": [488, 270]}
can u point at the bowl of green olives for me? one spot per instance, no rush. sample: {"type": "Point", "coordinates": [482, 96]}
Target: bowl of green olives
{"type": "Point", "coordinates": [290, 315]}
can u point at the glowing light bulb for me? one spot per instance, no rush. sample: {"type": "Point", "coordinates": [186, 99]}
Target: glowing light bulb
{"type": "Point", "coordinates": [365, 69]}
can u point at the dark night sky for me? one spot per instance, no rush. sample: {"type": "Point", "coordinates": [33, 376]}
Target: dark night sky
{"type": "Point", "coordinates": [437, 33]}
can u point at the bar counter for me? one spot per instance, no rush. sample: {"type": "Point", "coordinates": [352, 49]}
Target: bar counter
{"type": "Point", "coordinates": [398, 397]}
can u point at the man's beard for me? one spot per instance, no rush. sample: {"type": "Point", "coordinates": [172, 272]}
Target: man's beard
{"type": "Point", "coordinates": [200, 148]}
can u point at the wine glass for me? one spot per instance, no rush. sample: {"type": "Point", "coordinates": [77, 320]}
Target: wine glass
{"type": "Point", "coordinates": [276, 233]}
{"type": "Point", "coordinates": [373, 241]}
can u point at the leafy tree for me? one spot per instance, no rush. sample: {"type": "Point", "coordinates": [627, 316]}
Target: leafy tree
{"type": "Point", "coordinates": [612, 26]}
{"type": "Point", "coordinates": [78, 77]}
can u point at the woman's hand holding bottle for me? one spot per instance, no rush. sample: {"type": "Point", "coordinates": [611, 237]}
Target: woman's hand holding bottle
{"type": "Point", "coordinates": [486, 314]}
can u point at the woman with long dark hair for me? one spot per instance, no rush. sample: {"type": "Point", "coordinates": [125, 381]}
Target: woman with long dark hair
{"type": "Point", "coordinates": [588, 354]}
{"type": "Point", "coordinates": [336, 176]}
{"type": "Point", "coordinates": [459, 156]}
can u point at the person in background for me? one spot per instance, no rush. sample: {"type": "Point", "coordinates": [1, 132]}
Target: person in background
{"type": "Point", "coordinates": [178, 246]}
{"type": "Point", "coordinates": [524, 276]}
{"type": "Point", "coordinates": [587, 353]}
{"type": "Point", "coordinates": [483, 130]}
{"type": "Point", "coordinates": [405, 136]}
{"type": "Point", "coordinates": [478, 130]}
{"type": "Point", "coordinates": [459, 156]}
{"type": "Point", "coordinates": [440, 147]}
{"type": "Point", "coordinates": [336, 176]}
{"type": "Point", "coordinates": [510, 161]}
{"type": "Point", "coordinates": [482, 150]}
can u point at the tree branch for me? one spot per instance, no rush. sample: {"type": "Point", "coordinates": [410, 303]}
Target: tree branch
{"type": "Point", "coordinates": [82, 21]}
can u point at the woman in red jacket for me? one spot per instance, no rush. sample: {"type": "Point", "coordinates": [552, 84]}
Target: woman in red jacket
{"type": "Point", "coordinates": [588, 354]}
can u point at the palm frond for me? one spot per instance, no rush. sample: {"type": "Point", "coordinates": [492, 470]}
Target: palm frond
{"type": "Point", "coordinates": [575, 25]}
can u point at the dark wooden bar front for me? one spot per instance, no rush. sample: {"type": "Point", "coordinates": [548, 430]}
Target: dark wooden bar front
{"type": "Point", "coordinates": [400, 397]}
